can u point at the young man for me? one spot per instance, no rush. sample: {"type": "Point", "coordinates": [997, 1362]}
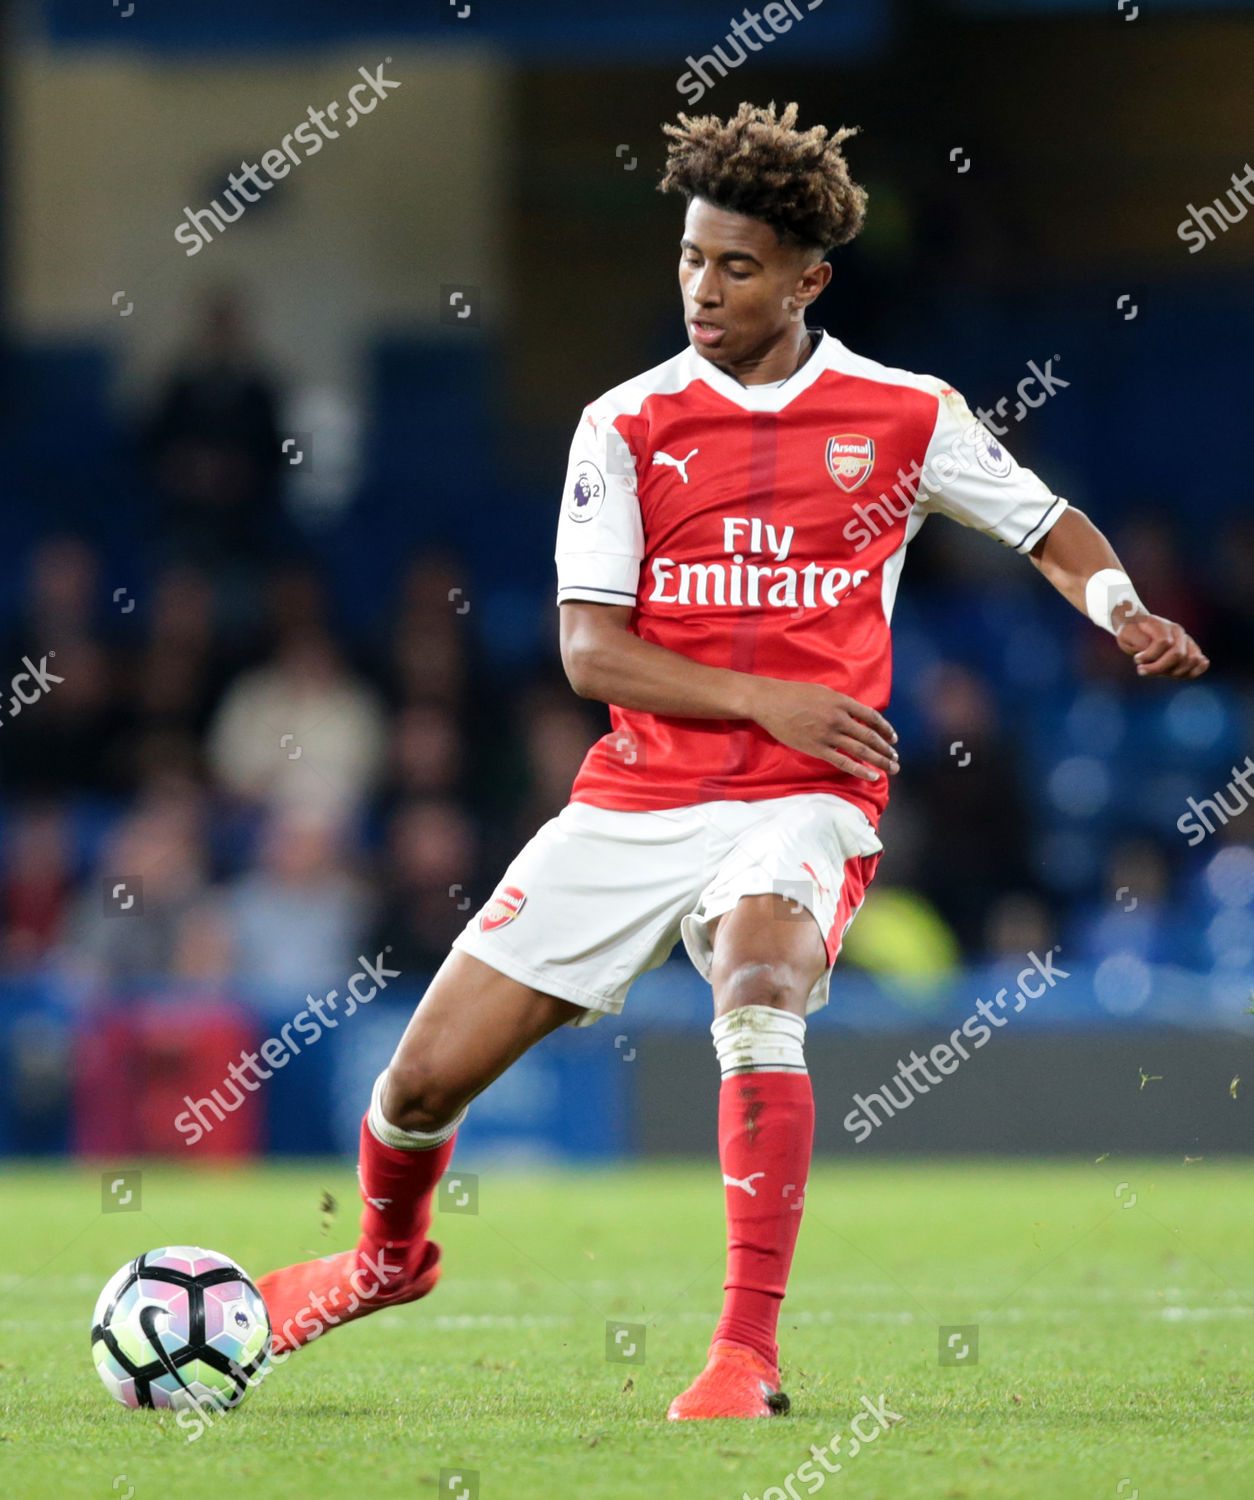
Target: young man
{"type": "Point", "coordinates": [732, 533]}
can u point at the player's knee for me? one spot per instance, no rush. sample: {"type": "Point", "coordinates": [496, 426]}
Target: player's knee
{"type": "Point", "coordinates": [761, 982]}
{"type": "Point", "coordinates": [415, 1100]}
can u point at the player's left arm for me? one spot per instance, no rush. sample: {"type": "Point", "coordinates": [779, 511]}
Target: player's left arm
{"type": "Point", "coordinates": [969, 475]}
{"type": "Point", "coordinates": [1081, 564]}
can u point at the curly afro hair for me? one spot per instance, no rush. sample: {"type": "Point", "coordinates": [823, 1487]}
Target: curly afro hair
{"type": "Point", "coordinates": [758, 164]}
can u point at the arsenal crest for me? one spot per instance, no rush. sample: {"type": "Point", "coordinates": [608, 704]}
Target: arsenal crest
{"type": "Point", "coordinates": [850, 459]}
{"type": "Point", "coordinates": [502, 908]}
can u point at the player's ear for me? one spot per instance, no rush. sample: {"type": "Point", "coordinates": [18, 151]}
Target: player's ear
{"type": "Point", "coordinates": [810, 283]}
{"type": "Point", "coordinates": [815, 277]}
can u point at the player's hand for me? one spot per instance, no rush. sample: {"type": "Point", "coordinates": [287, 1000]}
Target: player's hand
{"type": "Point", "coordinates": [1161, 648]}
{"type": "Point", "coordinates": [819, 721]}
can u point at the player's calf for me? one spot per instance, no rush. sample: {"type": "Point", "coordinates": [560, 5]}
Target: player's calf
{"type": "Point", "coordinates": [398, 1171]}
{"type": "Point", "coordinates": [394, 1262]}
{"type": "Point", "coordinates": [472, 1023]}
{"type": "Point", "coordinates": [411, 1098]}
{"type": "Point", "coordinates": [765, 1130]}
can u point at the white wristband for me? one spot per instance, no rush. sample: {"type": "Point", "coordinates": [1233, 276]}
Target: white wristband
{"type": "Point", "coordinates": [1107, 588]}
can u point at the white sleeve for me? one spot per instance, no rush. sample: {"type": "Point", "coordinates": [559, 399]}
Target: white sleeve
{"type": "Point", "coordinates": [600, 539]}
{"type": "Point", "coordinates": [969, 476]}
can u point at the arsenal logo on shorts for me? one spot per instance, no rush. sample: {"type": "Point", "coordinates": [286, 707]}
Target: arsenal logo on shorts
{"type": "Point", "coordinates": [502, 908]}
{"type": "Point", "coordinates": [850, 459]}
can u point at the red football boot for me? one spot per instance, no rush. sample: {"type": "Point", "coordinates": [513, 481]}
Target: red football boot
{"type": "Point", "coordinates": [737, 1382]}
{"type": "Point", "coordinates": [306, 1300]}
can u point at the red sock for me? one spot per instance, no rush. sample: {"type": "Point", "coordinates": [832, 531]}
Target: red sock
{"type": "Point", "coordinates": [396, 1190]}
{"type": "Point", "coordinates": [765, 1132]}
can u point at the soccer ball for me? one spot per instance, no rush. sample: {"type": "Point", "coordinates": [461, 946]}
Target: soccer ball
{"type": "Point", "coordinates": [180, 1327]}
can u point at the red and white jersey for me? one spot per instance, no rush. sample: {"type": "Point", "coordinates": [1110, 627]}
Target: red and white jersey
{"type": "Point", "coordinates": [763, 528]}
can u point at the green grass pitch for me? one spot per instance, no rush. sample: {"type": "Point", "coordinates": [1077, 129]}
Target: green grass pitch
{"type": "Point", "coordinates": [1113, 1358]}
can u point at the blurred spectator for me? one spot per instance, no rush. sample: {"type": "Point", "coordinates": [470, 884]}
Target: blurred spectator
{"type": "Point", "coordinates": [61, 716]}
{"type": "Point", "coordinates": [204, 953]}
{"type": "Point", "coordinates": [299, 731]}
{"type": "Point", "coordinates": [66, 739]}
{"type": "Point", "coordinates": [1230, 638]}
{"type": "Point", "coordinates": [296, 922]}
{"type": "Point", "coordinates": [214, 447]}
{"type": "Point", "coordinates": [429, 649]}
{"type": "Point", "coordinates": [128, 924]}
{"type": "Point", "coordinates": [428, 752]}
{"type": "Point", "coordinates": [37, 875]}
{"type": "Point", "coordinates": [172, 681]}
{"type": "Point", "coordinates": [965, 780]}
{"type": "Point", "coordinates": [62, 596]}
{"type": "Point", "coordinates": [429, 884]}
{"type": "Point", "coordinates": [295, 600]}
{"type": "Point", "coordinates": [1137, 915]}
{"type": "Point", "coordinates": [1018, 923]}
{"type": "Point", "coordinates": [178, 674]}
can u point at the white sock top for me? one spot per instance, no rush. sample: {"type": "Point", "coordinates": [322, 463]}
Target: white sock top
{"type": "Point", "coordinates": [404, 1140]}
{"type": "Point", "coordinates": [759, 1039]}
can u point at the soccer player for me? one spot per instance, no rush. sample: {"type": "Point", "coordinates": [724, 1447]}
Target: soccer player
{"type": "Point", "coordinates": [731, 539]}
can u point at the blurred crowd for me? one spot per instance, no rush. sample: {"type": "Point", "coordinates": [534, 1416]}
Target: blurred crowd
{"type": "Point", "coordinates": [221, 781]}
{"type": "Point", "coordinates": [273, 802]}
{"type": "Point", "coordinates": [269, 802]}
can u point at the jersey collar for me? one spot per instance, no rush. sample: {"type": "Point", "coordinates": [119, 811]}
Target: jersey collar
{"type": "Point", "coordinates": [764, 398]}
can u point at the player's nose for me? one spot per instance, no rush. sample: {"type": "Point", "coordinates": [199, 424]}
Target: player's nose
{"type": "Point", "coordinates": [704, 289]}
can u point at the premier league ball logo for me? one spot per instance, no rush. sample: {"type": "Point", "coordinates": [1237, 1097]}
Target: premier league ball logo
{"type": "Point", "coordinates": [587, 492]}
{"type": "Point", "coordinates": [989, 453]}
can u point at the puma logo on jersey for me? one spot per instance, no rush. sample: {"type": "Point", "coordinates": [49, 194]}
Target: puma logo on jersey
{"type": "Point", "coordinates": [815, 878]}
{"type": "Point", "coordinates": [379, 1203]}
{"type": "Point", "coordinates": [676, 463]}
{"type": "Point", "coordinates": [745, 1183]}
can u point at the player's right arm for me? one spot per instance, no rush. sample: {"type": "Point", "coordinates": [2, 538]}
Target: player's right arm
{"type": "Point", "coordinates": [600, 545]}
{"type": "Point", "coordinates": [606, 660]}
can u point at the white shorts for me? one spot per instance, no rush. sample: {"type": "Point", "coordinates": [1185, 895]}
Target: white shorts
{"type": "Point", "coordinates": [599, 896]}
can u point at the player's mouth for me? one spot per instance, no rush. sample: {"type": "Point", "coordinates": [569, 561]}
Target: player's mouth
{"type": "Point", "coordinates": [705, 333]}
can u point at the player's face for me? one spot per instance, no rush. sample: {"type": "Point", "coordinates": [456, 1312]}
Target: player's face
{"type": "Point", "coordinates": [743, 290]}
